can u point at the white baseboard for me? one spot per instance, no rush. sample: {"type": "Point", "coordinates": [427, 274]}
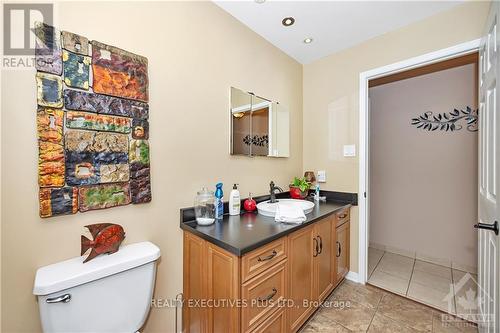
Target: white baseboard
{"type": "Point", "coordinates": [464, 268]}
{"type": "Point", "coordinates": [352, 276]}
{"type": "Point", "coordinates": [433, 260]}
{"type": "Point", "coordinates": [377, 246]}
{"type": "Point", "coordinates": [424, 257]}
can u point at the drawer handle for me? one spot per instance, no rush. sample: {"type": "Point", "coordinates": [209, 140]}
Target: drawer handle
{"type": "Point", "coordinates": [268, 297]}
{"type": "Point", "coordinates": [343, 216]}
{"type": "Point", "coordinates": [316, 248]}
{"type": "Point", "coordinates": [320, 244]}
{"type": "Point", "coordinates": [60, 299]}
{"type": "Point", "coordinates": [269, 257]}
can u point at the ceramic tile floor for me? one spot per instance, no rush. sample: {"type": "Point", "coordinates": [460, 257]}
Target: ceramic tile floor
{"type": "Point", "coordinates": [443, 288]}
{"type": "Point", "coordinates": [354, 307]}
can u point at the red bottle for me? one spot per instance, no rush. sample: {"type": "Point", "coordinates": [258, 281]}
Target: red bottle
{"type": "Point", "coordinates": [250, 205]}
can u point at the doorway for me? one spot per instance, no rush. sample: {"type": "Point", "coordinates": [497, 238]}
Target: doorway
{"type": "Point", "coordinates": [408, 266]}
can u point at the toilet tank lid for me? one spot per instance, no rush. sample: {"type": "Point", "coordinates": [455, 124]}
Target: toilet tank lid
{"type": "Point", "coordinates": [73, 272]}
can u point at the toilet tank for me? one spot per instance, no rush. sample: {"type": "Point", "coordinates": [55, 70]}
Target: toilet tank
{"type": "Point", "coordinates": [111, 293]}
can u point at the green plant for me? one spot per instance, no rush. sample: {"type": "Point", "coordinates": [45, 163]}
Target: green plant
{"type": "Point", "coordinates": [301, 183]}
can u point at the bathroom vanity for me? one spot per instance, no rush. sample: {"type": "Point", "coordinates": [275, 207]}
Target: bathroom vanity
{"type": "Point", "coordinates": [256, 275]}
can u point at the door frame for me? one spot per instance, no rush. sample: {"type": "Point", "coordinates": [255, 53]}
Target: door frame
{"type": "Point", "coordinates": [364, 135]}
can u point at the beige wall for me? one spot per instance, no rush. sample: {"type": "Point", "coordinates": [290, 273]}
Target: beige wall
{"type": "Point", "coordinates": [423, 184]}
{"type": "Point", "coordinates": [331, 88]}
{"type": "Point", "coordinates": [196, 53]}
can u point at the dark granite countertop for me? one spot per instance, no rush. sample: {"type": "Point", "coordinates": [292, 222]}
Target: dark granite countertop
{"type": "Point", "coordinates": [243, 233]}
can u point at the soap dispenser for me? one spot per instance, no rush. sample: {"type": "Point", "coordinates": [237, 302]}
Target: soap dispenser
{"type": "Point", "coordinates": [234, 201]}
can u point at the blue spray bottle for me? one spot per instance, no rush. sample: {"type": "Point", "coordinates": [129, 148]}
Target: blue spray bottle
{"type": "Point", "coordinates": [219, 204]}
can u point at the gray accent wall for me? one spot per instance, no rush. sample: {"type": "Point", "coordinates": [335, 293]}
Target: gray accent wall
{"type": "Point", "coordinates": [423, 183]}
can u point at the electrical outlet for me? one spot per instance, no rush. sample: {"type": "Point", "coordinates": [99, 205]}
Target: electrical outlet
{"type": "Point", "coordinates": [321, 176]}
{"type": "Point", "coordinates": [349, 150]}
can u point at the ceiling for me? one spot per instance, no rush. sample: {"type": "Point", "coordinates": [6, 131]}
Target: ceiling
{"type": "Point", "coordinates": [333, 25]}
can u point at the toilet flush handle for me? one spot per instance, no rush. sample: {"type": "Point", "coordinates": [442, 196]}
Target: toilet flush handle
{"type": "Point", "coordinates": [63, 298]}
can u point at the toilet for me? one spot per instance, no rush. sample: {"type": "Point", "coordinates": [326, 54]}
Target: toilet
{"type": "Point", "coordinates": [111, 293]}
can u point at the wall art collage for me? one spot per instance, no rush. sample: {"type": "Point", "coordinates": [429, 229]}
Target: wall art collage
{"type": "Point", "coordinates": [92, 124]}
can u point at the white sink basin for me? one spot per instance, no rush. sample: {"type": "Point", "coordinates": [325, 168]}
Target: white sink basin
{"type": "Point", "coordinates": [269, 209]}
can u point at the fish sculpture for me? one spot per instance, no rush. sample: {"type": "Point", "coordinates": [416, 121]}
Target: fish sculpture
{"type": "Point", "coordinates": [107, 239]}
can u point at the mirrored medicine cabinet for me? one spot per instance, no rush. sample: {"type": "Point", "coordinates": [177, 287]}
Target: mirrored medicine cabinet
{"type": "Point", "coordinates": [259, 126]}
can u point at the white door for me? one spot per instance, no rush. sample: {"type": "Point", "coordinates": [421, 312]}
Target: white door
{"type": "Point", "coordinates": [489, 176]}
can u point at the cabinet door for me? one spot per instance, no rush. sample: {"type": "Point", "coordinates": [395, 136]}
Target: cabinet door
{"type": "Point", "coordinates": [342, 251]}
{"type": "Point", "coordinates": [223, 283]}
{"type": "Point", "coordinates": [301, 268]}
{"type": "Point", "coordinates": [195, 278]}
{"type": "Point", "coordinates": [324, 260]}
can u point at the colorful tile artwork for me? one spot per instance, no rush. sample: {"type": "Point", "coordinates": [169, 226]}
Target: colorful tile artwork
{"type": "Point", "coordinates": [50, 164]}
{"type": "Point", "coordinates": [58, 201]}
{"type": "Point", "coordinates": [50, 125]}
{"type": "Point", "coordinates": [139, 151]}
{"type": "Point", "coordinates": [93, 145]}
{"type": "Point", "coordinates": [140, 129]}
{"type": "Point", "coordinates": [140, 184]}
{"type": "Point", "coordinates": [97, 122]}
{"type": "Point", "coordinates": [103, 196]}
{"type": "Point", "coordinates": [75, 43]}
{"type": "Point", "coordinates": [90, 141]}
{"type": "Point", "coordinates": [76, 70]}
{"type": "Point", "coordinates": [47, 49]}
{"type": "Point", "coordinates": [49, 90]}
{"type": "Point", "coordinates": [119, 73]}
{"type": "Point", "coordinates": [91, 102]}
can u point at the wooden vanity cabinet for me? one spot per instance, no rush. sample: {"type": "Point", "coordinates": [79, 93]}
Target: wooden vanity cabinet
{"type": "Point", "coordinates": [342, 249]}
{"type": "Point", "coordinates": [312, 269]}
{"type": "Point", "coordinates": [304, 265]}
{"type": "Point", "coordinates": [301, 282]}
{"type": "Point", "coordinates": [210, 273]}
{"type": "Point", "coordinates": [324, 260]}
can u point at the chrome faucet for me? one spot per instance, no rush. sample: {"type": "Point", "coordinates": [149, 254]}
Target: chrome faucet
{"type": "Point", "coordinates": [272, 191]}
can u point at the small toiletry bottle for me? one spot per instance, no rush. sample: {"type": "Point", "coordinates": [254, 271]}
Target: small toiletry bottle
{"type": "Point", "coordinates": [234, 201]}
{"type": "Point", "coordinates": [316, 193]}
{"type": "Point", "coordinates": [219, 204]}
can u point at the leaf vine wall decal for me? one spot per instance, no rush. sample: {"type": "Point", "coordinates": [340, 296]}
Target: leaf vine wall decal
{"type": "Point", "coordinates": [447, 121]}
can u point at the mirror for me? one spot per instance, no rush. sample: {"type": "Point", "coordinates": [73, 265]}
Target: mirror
{"type": "Point", "coordinates": [259, 127]}
{"type": "Point", "coordinates": [241, 104]}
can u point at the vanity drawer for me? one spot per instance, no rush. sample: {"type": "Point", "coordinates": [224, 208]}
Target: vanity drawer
{"type": "Point", "coordinates": [262, 295]}
{"type": "Point", "coordinates": [275, 323]}
{"type": "Point", "coordinates": [342, 216]}
{"type": "Point", "coordinates": [262, 258]}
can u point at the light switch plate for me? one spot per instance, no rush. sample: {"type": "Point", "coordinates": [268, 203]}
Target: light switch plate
{"type": "Point", "coordinates": [321, 176]}
{"type": "Point", "coordinates": [349, 150]}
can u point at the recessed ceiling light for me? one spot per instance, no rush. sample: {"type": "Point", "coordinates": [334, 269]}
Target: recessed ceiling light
{"type": "Point", "coordinates": [288, 21]}
{"type": "Point", "coordinates": [260, 1]}
{"type": "Point", "coordinates": [308, 40]}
